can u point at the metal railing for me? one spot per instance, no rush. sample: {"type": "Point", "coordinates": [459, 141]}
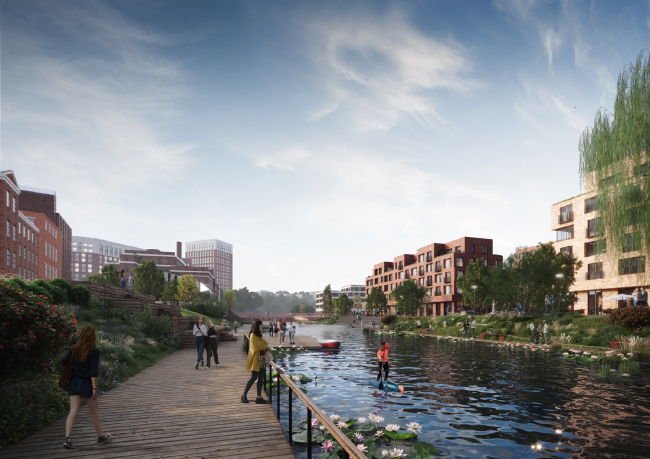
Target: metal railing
{"type": "Point", "coordinates": [565, 217]}
{"type": "Point", "coordinates": [349, 448]}
{"type": "Point", "coordinates": [438, 269]}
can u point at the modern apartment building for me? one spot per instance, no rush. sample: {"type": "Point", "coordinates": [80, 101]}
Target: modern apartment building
{"type": "Point", "coordinates": [215, 255]}
{"type": "Point", "coordinates": [350, 290]}
{"type": "Point", "coordinates": [38, 201]}
{"type": "Point", "coordinates": [19, 245]}
{"type": "Point", "coordinates": [90, 254]}
{"type": "Point", "coordinates": [435, 266]}
{"type": "Point", "coordinates": [574, 221]}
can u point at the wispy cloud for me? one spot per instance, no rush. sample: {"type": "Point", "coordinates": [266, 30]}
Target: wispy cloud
{"type": "Point", "coordinates": [286, 160]}
{"type": "Point", "coordinates": [382, 69]}
{"type": "Point", "coordinates": [552, 42]}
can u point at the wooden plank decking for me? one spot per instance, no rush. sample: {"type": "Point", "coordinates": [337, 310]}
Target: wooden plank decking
{"type": "Point", "coordinates": [172, 410]}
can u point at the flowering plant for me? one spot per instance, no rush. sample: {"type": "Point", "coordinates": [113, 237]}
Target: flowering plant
{"type": "Point", "coordinates": [630, 318]}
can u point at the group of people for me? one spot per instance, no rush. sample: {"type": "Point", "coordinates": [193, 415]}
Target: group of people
{"type": "Point", "coordinates": [281, 329]}
{"type": "Point", "coordinates": [539, 332]}
{"type": "Point", "coordinates": [205, 338]}
{"type": "Point", "coordinates": [126, 281]}
{"type": "Point", "coordinates": [640, 297]}
{"type": "Point", "coordinates": [467, 325]}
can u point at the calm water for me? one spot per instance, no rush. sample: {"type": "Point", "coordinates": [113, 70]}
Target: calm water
{"type": "Point", "coordinates": [477, 400]}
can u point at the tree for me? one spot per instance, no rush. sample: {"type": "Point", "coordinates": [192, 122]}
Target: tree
{"type": "Point", "coordinates": [108, 276]}
{"type": "Point", "coordinates": [357, 302]}
{"type": "Point", "coordinates": [302, 309]}
{"type": "Point", "coordinates": [248, 301]}
{"type": "Point", "coordinates": [614, 154]}
{"type": "Point", "coordinates": [170, 292]}
{"type": "Point", "coordinates": [230, 299]}
{"type": "Point", "coordinates": [187, 289]}
{"type": "Point", "coordinates": [328, 303]}
{"type": "Point", "coordinates": [148, 279]}
{"type": "Point", "coordinates": [343, 305]}
{"type": "Point", "coordinates": [478, 274]}
{"type": "Point", "coordinates": [409, 297]}
{"type": "Point", "coordinates": [377, 300]}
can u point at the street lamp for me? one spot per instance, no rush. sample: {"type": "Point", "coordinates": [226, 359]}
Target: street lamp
{"type": "Point", "coordinates": [474, 287]}
{"type": "Point", "coordinates": [559, 277]}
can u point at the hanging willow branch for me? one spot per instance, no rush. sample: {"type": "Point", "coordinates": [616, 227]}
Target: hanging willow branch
{"type": "Point", "coordinates": [614, 155]}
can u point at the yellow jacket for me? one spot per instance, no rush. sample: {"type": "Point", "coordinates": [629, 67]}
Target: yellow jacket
{"type": "Point", "coordinates": [255, 345]}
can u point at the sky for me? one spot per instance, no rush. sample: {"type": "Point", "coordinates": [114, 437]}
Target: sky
{"type": "Point", "coordinates": [319, 138]}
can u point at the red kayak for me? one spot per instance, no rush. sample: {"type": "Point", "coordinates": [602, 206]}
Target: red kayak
{"type": "Point", "coordinates": [330, 344]}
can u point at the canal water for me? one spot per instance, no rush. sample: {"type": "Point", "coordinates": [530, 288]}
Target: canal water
{"type": "Point", "coordinates": [475, 400]}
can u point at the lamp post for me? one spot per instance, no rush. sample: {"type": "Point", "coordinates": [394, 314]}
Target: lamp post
{"type": "Point", "coordinates": [474, 287]}
{"type": "Point", "coordinates": [559, 277]}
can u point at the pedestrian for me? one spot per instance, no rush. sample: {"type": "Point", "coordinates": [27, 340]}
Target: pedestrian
{"type": "Point", "coordinates": [540, 331]}
{"type": "Point", "coordinates": [636, 296]}
{"type": "Point", "coordinates": [276, 329]}
{"type": "Point", "coordinates": [200, 332]}
{"type": "Point", "coordinates": [545, 331]}
{"type": "Point", "coordinates": [448, 309]}
{"type": "Point", "coordinates": [212, 344]}
{"type": "Point", "coordinates": [419, 323]}
{"type": "Point", "coordinates": [235, 325]}
{"type": "Point", "coordinates": [130, 282]}
{"type": "Point", "coordinates": [283, 331]}
{"type": "Point", "coordinates": [292, 335]}
{"type": "Point", "coordinates": [465, 327]}
{"type": "Point", "coordinates": [83, 384]}
{"type": "Point", "coordinates": [473, 324]}
{"type": "Point", "coordinates": [532, 332]}
{"type": "Point", "coordinates": [382, 355]}
{"type": "Point", "coordinates": [122, 280]}
{"type": "Point", "coordinates": [256, 349]}
{"type": "Point", "coordinates": [547, 303]}
{"type": "Point", "coordinates": [644, 297]}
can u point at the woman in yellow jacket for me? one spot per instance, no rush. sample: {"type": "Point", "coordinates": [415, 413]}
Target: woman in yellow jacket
{"type": "Point", "coordinates": [256, 347]}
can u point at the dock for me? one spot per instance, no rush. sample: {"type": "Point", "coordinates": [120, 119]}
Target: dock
{"type": "Point", "coordinates": [171, 410]}
{"type": "Point", "coordinates": [302, 341]}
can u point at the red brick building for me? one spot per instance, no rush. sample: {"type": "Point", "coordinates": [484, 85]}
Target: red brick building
{"type": "Point", "coordinates": [437, 267]}
{"type": "Point", "coordinates": [44, 202]}
{"type": "Point", "coordinates": [20, 240]}
{"type": "Point", "coordinates": [50, 248]}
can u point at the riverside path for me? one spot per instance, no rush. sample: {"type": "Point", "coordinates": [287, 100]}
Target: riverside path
{"type": "Point", "coordinates": [172, 410]}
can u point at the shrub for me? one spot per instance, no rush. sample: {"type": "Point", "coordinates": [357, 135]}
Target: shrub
{"type": "Point", "coordinates": [18, 284]}
{"type": "Point", "coordinates": [630, 318]}
{"type": "Point", "coordinates": [80, 295]}
{"type": "Point", "coordinates": [41, 283]}
{"type": "Point", "coordinates": [212, 308]}
{"type": "Point", "coordinates": [154, 327]}
{"type": "Point", "coordinates": [556, 347]}
{"type": "Point", "coordinates": [59, 295]}
{"type": "Point", "coordinates": [32, 333]}
{"type": "Point", "coordinates": [387, 320]}
{"type": "Point", "coordinates": [62, 283]}
{"type": "Point", "coordinates": [37, 290]}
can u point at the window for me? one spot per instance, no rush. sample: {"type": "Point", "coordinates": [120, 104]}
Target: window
{"type": "Point", "coordinates": [591, 227]}
{"type": "Point", "coordinates": [458, 249]}
{"type": "Point", "coordinates": [438, 278]}
{"type": "Point", "coordinates": [56, 255]}
{"type": "Point", "coordinates": [566, 214]}
{"type": "Point", "coordinates": [83, 267]}
{"type": "Point", "coordinates": [14, 205]}
{"type": "Point", "coordinates": [459, 274]}
{"type": "Point", "coordinates": [8, 257]}
{"type": "Point", "coordinates": [14, 231]}
{"type": "Point", "coordinates": [101, 259]}
{"type": "Point", "coordinates": [90, 258]}
{"type": "Point", "coordinates": [631, 242]}
{"type": "Point", "coordinates": [447, 278]}
{"type": "Point", "coordinates": [20, 250]}
{"type": "Point", "coordinates": [429, 268]}
{"type": "Point", "coordinates": [76, 256]}
{"type": "Point", "coordinates": [485, 248]}
{"type": "Point", "coordinates": [595, 248]}
{"type": "Point", "coordinates": [447, 289]}
{"type": "Point", "coordinates": [595, 271]}
{"type": "Point", "coordinates": [421, 258]}
{"type": "Point", "coordinates": [459, 262]}
{"type": "Point", "coordinates": [90, 268]}
{"type": "Point", "coordinates": [76, 269]}
{"type": "Point", "coordinates": [20, 228]}
{"type": "Point", "coordinates": [565, 233]}
{"type": "Point", "coordinates": [14, 260]}
{"type": "Point", "coordinates": [471, 248]}
{"type": "Point", "coordinates": [8, 198]}
{"type": "Point", "coordinates": [447, 263]}
{"type": "Point", "coordinates": [421, 281]}
{"type": "Point", "coordinates": [631, 265]}
{"type": "Point", "coordinates": [591, 204]}
{"type": "Point", "coordinates": [8, 228]}
{"type": "Point", "coordinates": [437, 291]}
{"type": "Point", "coordinates": [568, 251]}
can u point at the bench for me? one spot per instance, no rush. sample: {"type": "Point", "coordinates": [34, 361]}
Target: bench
{"type": "Point", "coordinates": [501, 337]}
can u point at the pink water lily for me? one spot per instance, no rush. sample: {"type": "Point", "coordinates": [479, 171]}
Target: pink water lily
{"type": "Point", "coordinates": [314, 422]}
{"type": "Point", "coordinates": [358, 436]}
{"type": "Point", "coordinates": [342, 425]}
{"type": "Point", "coordinates": [327, 446]}
{"type": "Point", "coordinates": [362, 448]}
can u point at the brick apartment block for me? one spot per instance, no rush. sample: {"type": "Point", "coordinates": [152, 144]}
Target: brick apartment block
{"type": "Point", "coordinates": [601, 275]}
{"type": "Point", "coordinates": [437, 267]}
{"type": "Point", "coordinates": [19, 242]}
{"type": "Point", "coordinates": [50, 247]}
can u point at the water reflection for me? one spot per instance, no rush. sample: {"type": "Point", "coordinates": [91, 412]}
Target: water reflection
{"type": "Point", "coordinates": [477, 400]}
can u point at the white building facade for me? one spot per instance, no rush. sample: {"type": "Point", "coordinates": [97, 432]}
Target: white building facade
{"type": "Point", "coordinates": [350, 290]}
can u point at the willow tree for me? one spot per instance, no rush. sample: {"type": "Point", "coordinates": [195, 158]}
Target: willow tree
{"type": "Point", "coordinates": [613, 162]}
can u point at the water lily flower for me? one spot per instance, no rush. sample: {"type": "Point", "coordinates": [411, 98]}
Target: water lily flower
{"type": "Point", "coordinates": [322, 428]}
{"type": "Point", "coordinates": [629, 354]}
{"type": "Point", "coordinates": [612, 370]}
{"type": "Point", "coordinates": [379, 419]}
{"type": "Point", "coordinates": [380, 433]}
{"type": "Point", "coordinates": [358, 436]}
{"type": "Point", "coordinates": [397, 453]}
{"type": "Point", "coordinates": [314, 422]}
{"type": "Point", "coordinates": [625, 374]}
{"type": "Point", "coordinates": [392, 427]}
{"type": "Point", "coordinates": [362, 448]}
{"type": "Point", "coordinates": [361, 420]}
{"type": "Point", "coordinates": [327, 446]}
{"type": "Point", "coordinates": [334, 417]}
{"type": "Point", "coordinates": [384, 453]}
{"type": "Point", "coordinates": [624, 358]}
{"type": "Point", "coordinates": [295, 378]}
{"type": "Point", "coordinates": [594, 356]}
{"type": "Point", "coordinates": [565, 353]}
{"type": "Point", "coordinates": [342, 425]}
{"type": "Point", "coordinates": [414, 427]}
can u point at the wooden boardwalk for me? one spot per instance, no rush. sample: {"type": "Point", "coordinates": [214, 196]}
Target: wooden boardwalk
{"type": "Point", "coordinates": [172, 410]}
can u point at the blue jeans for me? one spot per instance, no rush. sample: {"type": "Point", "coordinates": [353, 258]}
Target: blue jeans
{"type": "Point", "coordinates": [200, 345]}
{"type": "Point", "coordinates": [473, 330]}
{"type": "Point", "coordinates": [464, 333]}
{"type": "Point", "coordinates": [637, 302]}
{"type": "Point", "coordinates": [123, 283]}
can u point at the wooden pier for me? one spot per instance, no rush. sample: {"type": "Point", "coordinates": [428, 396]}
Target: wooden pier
{"type": "Point", "coordinates": [172, 410]}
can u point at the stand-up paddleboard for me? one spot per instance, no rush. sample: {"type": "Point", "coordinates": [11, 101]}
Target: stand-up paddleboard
{"type": "Point", "coordinates": [387, 386]}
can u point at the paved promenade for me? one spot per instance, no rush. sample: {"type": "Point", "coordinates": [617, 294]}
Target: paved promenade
{"type": "Point", "coordinates": [172, 410]}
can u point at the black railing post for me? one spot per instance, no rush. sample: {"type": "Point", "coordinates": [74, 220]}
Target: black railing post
{"type": "Point", "coordinates": [270, 394]}
{"type": "Point", "coordinates": [308, 433]}
{"type": "Point", "coordinates": [290, 417]}
{"type": "Point", "coordinates": [278, 401]}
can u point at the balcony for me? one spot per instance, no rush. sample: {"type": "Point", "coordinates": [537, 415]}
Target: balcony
{"type": "Point", "coordinates": [421, 271]}
{"type": "Point", "coordinates": [429, 283]}
{"type": "Point", "coordinates": [438, 269]}
{"type": "Point", "coordinates": [447, 280]}
{"type": "Point", "coordinates": [401, 265]}
{"type": "Point", "coordinates": [429, 258]}
{"type": "Point", "coordinates": [407, 275]}
{"type": "Point", "coordinates": [594, 275]}
{"type": "Point", "coordinates": [565, 217]}
{"type": "Point", "coordinates": [437, 293]}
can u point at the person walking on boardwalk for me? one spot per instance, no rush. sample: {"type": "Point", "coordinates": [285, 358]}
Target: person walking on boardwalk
{"type": "Point", "coordinates": [473, 325]}
{"type": "Point", "coordinates": [256, 348]}
{"type": "Point", "coordinates": [292, 335]}
{"type": "Point", "coordinates": [465, 327]}
{"type": "Point", "coordinates": [276, 329]}
{"type": "Point", "coordinates": [283, 331]}
{"type": "Point", "coordinates": [532, 332]}
{"type": "Point", "coordinates": [382, 355]}
{"type": "Point", "coordinates": [235, 325]}
{"type": "Point", "coordinates": [540, 331]}
{"type": "Point", "coordinates": [83, 384]}
{"type": "Point", "coordinates": [545, 331]}
{"type": "Point", "coordinates": [212, 344]}
{"type": "Point", "coordinates": [200, 332]}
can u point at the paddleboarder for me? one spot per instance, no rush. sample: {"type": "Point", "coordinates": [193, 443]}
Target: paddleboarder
{"type": "Point", "coordinates": [382, 355]}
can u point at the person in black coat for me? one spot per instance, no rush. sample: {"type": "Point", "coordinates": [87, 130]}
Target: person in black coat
{"type": "Point", "coordinates": [212, 344]}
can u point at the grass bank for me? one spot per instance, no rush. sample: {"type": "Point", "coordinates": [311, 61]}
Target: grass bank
{"type": "Point", "coordinates": [127, 344]}
{"type": "Point", "coordinates": [215, 320]}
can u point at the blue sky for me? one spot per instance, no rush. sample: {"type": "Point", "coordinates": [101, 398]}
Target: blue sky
{"type": "Point", "coordinates": [319, 138]}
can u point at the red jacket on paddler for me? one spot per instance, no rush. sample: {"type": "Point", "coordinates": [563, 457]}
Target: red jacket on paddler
{"type": "Point", "coordinates": [383, 355]}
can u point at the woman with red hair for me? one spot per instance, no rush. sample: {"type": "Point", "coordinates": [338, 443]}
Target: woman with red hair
{"type": "Point", "coordinates": [83, 383]}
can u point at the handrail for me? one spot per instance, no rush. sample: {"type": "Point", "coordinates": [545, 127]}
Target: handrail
{"type": "Point", "coordinates": [347, 445]}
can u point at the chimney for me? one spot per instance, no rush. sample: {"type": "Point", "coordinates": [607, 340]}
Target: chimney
{"type": "Point", "coordinates": [179, 250]}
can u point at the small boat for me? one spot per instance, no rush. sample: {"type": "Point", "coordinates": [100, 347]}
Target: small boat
{"type": "Point", "coordinates": [330, 343]}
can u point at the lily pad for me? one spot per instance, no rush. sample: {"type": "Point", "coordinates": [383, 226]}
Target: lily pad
{"type": "Point", "coordinates": [399, 435]}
